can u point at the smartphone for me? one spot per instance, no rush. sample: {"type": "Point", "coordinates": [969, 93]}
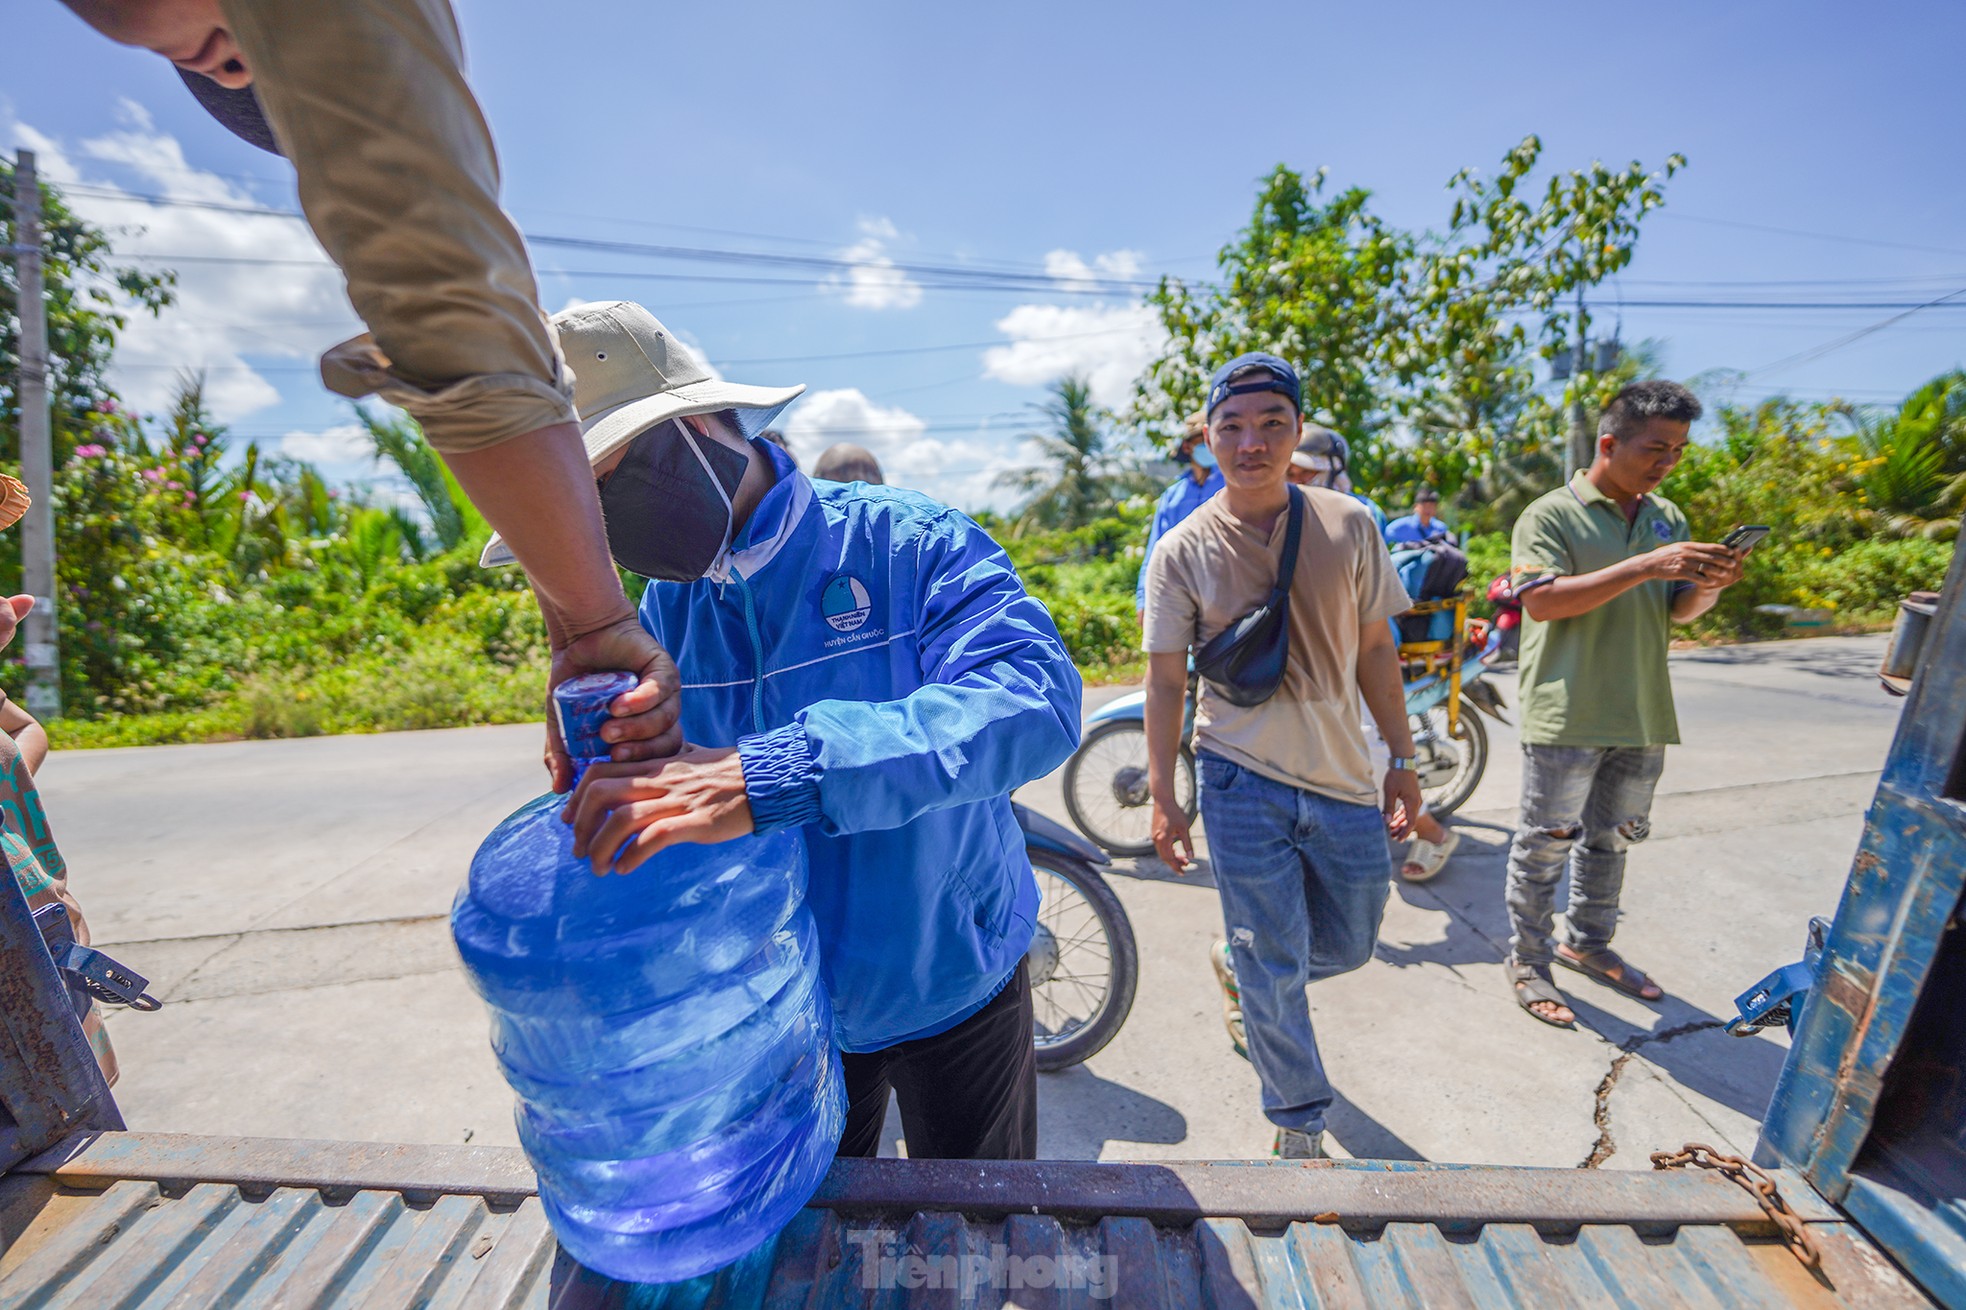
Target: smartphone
{"type": "Point", "coordinates": [1743, 540]}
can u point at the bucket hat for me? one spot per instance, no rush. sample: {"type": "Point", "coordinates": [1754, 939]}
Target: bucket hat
{"type": "Point", "coordinates": [631, 374]}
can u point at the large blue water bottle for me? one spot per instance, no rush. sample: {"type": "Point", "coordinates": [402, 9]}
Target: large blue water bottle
{"type": "Point", "coordinates": [666, 1030]}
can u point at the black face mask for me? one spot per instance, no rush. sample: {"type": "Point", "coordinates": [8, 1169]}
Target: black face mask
{"type": "Point", "coordinates": [668, 503]}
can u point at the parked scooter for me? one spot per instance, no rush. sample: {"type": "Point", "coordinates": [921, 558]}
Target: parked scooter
{"type": "Point", "coordinates": [1083, 962]}
{"type": "Point", "coordinates": [1106, 778]}
{"type": "Point", "coordinates": [1507, 620]}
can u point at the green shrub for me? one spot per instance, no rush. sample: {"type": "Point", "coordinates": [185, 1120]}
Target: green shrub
{"type": "Point", "coordinates": [1860, 584]}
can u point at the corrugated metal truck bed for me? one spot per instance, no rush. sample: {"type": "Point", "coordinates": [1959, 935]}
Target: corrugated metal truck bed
{"type": "Point", "coordinates": [143, 1220]}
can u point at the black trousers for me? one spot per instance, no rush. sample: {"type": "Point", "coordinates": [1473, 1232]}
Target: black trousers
{"type": "Point", "coordinates": [968, 1094]}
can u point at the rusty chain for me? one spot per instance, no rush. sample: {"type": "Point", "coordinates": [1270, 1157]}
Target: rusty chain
{"type": "Point", "coordinates": [1760, 1185]}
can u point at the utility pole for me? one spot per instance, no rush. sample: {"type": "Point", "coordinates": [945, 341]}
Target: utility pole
{"type": "Point", "coordinates": [37, 462]}
{"type": "Point", "coordinates": [1581, 448]}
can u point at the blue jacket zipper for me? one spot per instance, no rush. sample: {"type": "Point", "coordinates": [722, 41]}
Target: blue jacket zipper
{"type": "Point", "coordinates": [757, 652]}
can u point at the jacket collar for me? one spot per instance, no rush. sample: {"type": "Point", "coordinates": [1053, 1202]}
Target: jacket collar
{"type": "Point", "coordinates": [771, 524]}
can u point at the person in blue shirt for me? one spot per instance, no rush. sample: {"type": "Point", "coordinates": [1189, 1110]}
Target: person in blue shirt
{"type": "Point", "coordinates": [1184, 496]}
{"type": "Point", "coordinates": [1319, 461]}
{"type": "Point", "coordinates": [859, 662]}
{"type": "Point", "coordinates": [1423, 526]}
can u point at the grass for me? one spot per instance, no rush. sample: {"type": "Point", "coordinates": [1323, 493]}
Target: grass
{"type": "Point", "coordinates": [444, 683]}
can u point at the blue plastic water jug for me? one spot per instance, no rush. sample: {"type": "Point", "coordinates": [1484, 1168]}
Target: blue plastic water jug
{"type": "Point", "coordinates": [666, 1030]}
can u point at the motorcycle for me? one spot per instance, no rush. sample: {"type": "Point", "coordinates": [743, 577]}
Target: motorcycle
{"type": "Point", "coordinates": [1083, 962]}
{"type": "Point", "coordinates": [1508, 616]}
{"type": "Point", "coordinates": [1106, 778]}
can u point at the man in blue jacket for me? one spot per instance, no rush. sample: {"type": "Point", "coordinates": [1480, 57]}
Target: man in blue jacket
{"type": "Point", "coordinates": [1199, 480]}
{"type": "Point", "coordinates": [863, 663]}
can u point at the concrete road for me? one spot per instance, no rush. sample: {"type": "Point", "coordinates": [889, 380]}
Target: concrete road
{"type": "Point", "coordinates": [289, 901]}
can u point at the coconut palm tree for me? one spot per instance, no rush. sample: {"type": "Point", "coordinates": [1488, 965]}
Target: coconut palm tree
{"type": "Point", "coordinates": [1913, 460]}
{"type": "Point", "coordinates": [452, 518]}
{"type": "Point", "coordinates": [1086, 471]}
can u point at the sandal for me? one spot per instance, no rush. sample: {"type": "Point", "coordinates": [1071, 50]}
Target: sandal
{"type": "Point", "coordinates": [1533, 987]}
{"type": "Point", "coordinates": [1606, 967]}
{"type": "Point", "coordinates": [1428, 857]}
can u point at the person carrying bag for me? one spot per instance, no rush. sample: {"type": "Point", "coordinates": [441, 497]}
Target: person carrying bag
{"type": "Point", "coordinates": [1245, 662]}
{"type": "Point", "coordinates": [1297, 816]}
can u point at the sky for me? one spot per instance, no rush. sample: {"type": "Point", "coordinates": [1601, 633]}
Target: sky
{"type": "Point", "coordinates": [1087, 148]}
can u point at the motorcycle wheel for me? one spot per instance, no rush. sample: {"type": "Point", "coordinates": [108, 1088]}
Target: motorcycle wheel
{"type": "Point", "coordinates": [1083, 963]}
{"type": "Point", "coordinates": [1450, 767]}
{"type": "Point", "coordinates": [1106, 788]}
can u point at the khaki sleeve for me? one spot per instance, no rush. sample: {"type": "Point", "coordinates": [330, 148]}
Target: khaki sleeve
{"type": "Point", "coordinates": [1173, 610]}
{"type": "Point", "coordinates": [399, 181]}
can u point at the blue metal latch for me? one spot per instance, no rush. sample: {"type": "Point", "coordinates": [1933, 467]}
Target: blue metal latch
{"type": "Point", "coordinates": [87, 967]}
{"type": "Point", "coordinates": [1777, 999]}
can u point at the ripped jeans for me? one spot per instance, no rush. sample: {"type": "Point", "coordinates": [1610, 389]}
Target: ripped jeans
{"type": "Point", "coordinates": [1582, 807]}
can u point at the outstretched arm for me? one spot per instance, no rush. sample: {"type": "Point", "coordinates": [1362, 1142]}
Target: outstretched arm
{"type": "Point", "coordinates": [1568, 596]}
{"type": "Point", "coordinates": [399, 180]}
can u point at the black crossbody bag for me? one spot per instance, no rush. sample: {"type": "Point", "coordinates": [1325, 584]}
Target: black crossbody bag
{"type": "Point", "coordinates": [1245, 661]}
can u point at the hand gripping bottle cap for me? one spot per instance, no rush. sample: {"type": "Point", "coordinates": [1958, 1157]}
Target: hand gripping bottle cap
{"type": "Point", "coordinates": [582, 705]}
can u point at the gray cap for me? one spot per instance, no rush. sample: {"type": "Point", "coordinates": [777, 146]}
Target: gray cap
{"type": "Point", "coordinates": [1323, 442]}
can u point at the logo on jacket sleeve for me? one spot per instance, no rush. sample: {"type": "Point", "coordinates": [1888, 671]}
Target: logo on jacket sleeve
{"type": "Point", "coordinates": [845, 602]}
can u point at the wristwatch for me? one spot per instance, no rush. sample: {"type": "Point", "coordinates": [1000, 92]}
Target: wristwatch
{"type": "Point", "coordinates": [1411, 764]}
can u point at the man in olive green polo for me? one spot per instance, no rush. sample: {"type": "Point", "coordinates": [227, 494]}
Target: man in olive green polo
{"type": "Point", "coordinates": [1604, 567]}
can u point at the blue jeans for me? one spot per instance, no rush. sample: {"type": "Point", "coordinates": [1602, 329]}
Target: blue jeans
{"type": "Point", "coordinates": [1303, 880]}
{"type": "Point", "coordinates": [1582, 808]}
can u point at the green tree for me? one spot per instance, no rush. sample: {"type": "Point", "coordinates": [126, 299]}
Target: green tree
{"type": "Point", "coordinates": [1420, 349]}
{"type": "Point", "coordinates": [1912, 460]}
{"type": "Point", "coordinates": [1315, 281]}
{"type": "Point", "coordinates": [1085, 473]}
{"type": "Point", "coordinates": [451, 516]}
{"type": "Point", "coordinates": [194, 443]}
{"type": "Point", "coordinates": [89, 296]}
{"type": "Point", "coordinates": [1508, 256]}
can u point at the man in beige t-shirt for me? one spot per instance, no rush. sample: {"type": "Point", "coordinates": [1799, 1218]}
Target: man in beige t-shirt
{"type": "Point", "coordinates": [1297, 823]}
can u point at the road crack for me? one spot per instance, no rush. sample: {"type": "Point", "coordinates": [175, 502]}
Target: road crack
{"type": "Point", "coordinates": [1606, 1144]}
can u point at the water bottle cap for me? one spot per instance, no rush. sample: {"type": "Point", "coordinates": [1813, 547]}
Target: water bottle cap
{"type": "Point", "coordinates": [582, 704]}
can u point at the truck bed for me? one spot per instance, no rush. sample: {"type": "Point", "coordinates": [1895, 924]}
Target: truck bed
{"type": "Point", "coordinates": [149, 1220]}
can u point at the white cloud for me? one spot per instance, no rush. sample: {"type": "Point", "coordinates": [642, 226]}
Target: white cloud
{"type": "Point", "coordinates": [1110, 344]}
{"type": "Point", "coordinates": [224, 312]}
{"type": "Point", "coordinates": [958, 469]}
{"type": "Point", "coordinates": [346, 443]}
{"type": "Point", "coordinates": [1067, 267]}
{"type": "Point", "coordinates": [874, 282]}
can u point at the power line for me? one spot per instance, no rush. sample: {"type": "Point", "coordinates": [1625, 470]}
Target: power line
{"type": "Point", "coordinates": [638, 275]}
{"type": "Point", "coordinates": [1059, 288]}
{"type": "Point", "coordinates": [1029, 278]}
{"type": "Point", "coordinates": [1819, 236]}
{"type": "Point", "coordinates": [1827, 347]}
{"type": "Point", "coordinates": [761, 359]}
{"type": "Point", "coordinates": [958, 276]}
{"type": "Point", "coordinates": [111, 192]}
{"type": "Point", "coordinates": [667, 306]}
{"type": "Point", "coordinates": [1905, 280]}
